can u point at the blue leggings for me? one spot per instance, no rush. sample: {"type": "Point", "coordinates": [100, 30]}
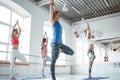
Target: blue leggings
{"type": "Point", "coordinates": [55, 52]}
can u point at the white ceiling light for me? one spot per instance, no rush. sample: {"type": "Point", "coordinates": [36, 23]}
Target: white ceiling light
{"type": "Point", "coordinates": [65, 8]}
{"type": "Point", "coordinates": [76, 10]}
{"type": "Point", "coordinates": [106, 3]}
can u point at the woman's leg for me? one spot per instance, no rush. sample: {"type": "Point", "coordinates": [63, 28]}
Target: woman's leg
{"type": "Point", "coordinates": [65, 49]}
{"type": "Point", "coordinates": [91, 60]}
{"type": "Point", "coordinates": [90, 67]}
{"type": "Point", "coordinates": [48, 59]}
{"type": "Point", "coordinates": [12, 62]}
{"type": "Point", "coordinates": [55, 53]}
{"type": "Point", "coordinates": [20, 57]}
{"type": "Point", "coordinates": [43, 66]}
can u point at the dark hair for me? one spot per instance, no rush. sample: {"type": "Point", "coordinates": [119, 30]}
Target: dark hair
{"type": "Point", "coordinates": [44, 39]}
{"type": "Point", "coordinates": [15, 30]}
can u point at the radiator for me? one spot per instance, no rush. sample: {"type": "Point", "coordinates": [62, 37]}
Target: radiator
{"type": "Point", "coordinates": [5, 70]}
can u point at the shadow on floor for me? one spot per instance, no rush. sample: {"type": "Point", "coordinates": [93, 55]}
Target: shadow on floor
{"type": "Point", "coordinates": [96, 78]}
{"type": "Point", "coordinates": [31, 78]}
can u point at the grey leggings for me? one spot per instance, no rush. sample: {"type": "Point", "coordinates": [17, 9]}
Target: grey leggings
{"type": "Point", "coordinates": [55, 52]}
{"type": "Point", "coordinates": [91, 59]}
{"type": "Point", "coordinates": [44, 60]}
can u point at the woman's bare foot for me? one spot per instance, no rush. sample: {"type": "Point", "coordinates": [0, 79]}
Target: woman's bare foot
{"type": "Point", "coordinates": [13, 78]}
{"type": "Point", "coordinates": [54, 79]}
{"type": "Point", "coordinates": [90, 77]}
{"type": "Point", "coordinates": [43, 76]}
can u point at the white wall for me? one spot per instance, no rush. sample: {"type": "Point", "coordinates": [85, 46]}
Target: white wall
{"type": "Point", "coordinates": [110, 28]}
{"type": "Point", "coordinates": [108, 25]}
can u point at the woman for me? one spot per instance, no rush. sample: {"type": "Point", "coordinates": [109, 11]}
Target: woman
{"type": "Point", "coordinates": [44, 53]}
{"type": "Point", "coordinates": [15, 54]}
{"type": "Point", "coordinates": [57, 44]}
{"type": "Point", "coordinates": [91, 57]}
{"type": "Point", "coordinates": [90, 52]}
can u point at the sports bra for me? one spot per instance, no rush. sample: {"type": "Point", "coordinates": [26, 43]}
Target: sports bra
{"type": "Point", "coordinates": [14, 41]}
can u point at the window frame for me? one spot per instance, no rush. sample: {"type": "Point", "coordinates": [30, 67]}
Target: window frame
{"type": "Point", "coordinates": [21, 18]}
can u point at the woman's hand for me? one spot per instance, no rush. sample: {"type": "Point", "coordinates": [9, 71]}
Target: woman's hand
{"type": "Point", "coordinates": [45, 33]}
{"type": "Point", "coordinates": [16, 21]}
{"type": "Point", "coordinates": [19, 29]}
{"type": "Point", "coordinates": [52, 2]}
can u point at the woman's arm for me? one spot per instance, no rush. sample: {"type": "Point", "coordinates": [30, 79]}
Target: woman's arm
{"type": "Point", "coordinates": [42, 45]}
{"type": "Point", "coordinates": [51, 10]}
{"type": "Point", "coordinates": [88, 27]}
{"type": "Point", "coordinates": [88, 32]}
{"type": "Point", "coordinates": [46, 38]}
{"type": "Point", "coordinates": [19, 30]}
{"type": "Point", "coordinates": [13, 28]}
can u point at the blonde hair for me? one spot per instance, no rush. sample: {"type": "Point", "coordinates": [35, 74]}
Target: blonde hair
{"type": "Point", "coordinates": [91, 46]}
{"type": "Point", "coordinates": [54, 15]}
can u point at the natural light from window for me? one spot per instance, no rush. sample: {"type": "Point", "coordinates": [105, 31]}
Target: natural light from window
{"type": "Point", "coordinates": [7, 20]}
{"type": "Point", "coordinates": [82, 48]}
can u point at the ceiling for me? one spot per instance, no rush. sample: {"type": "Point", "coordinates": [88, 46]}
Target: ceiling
{"type": "Point", "coordinates": [86, 9]}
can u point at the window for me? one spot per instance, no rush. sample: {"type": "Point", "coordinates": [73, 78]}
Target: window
{"type": "Point", "coordinates": [48, 29]}
{"type": "Point", "coordinates": [7, 20]}
{"type": "Point", "coordinates": [80, 52]}
{"type": "Point", "coordinates": [5, 15]}
{"type": "Point", "coordinates": [82, 48]}
{"type": "Point", "coordinates": [4, 33]}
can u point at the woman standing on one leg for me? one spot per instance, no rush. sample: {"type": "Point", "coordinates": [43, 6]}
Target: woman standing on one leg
{"type": "Point", "coordinates": [91, 57]}
{"type": "Point", "coordinates": [90, 53]}
{"type": "Point", "coordinates": [15, 54]}
{"type": "Point", "coordinates": [57, 38]}
{"type": "Point", "coordinates": [44, 53]}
